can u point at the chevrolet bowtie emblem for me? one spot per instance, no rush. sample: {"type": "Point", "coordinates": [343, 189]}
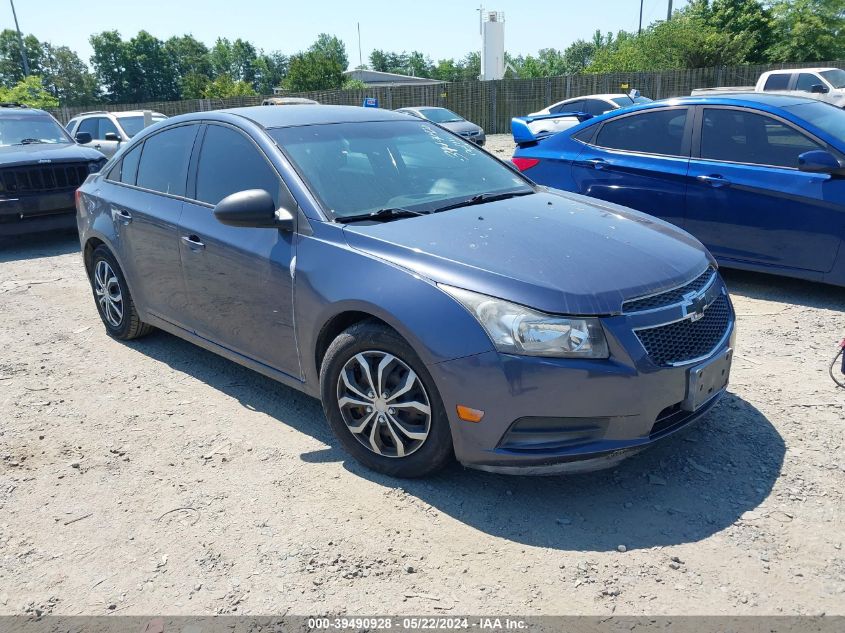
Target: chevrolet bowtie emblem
{"type": "Point", "coordinates": [694, 306]}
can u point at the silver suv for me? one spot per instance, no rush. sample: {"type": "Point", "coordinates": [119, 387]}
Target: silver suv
{"type": "Point", "coordinates": [109, 129]}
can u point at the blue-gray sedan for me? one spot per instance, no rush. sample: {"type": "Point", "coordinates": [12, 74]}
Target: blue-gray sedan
{"type": "Point", "coordinates": [437, 302]}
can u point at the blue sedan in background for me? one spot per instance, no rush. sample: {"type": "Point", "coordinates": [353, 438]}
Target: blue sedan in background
{"type": "Point", "coordinates": [758, 178]}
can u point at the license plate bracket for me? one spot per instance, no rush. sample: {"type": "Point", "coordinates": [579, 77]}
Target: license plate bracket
{"type": "Point", "coordinates": [706, 380]}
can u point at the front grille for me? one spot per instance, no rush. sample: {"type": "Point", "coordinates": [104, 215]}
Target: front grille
{"type": "Point", "coordinates": [670, 297]}
{"type": "Point", "coordinates": [687, 340]}
{"type": "Point", "coordinates": [41, 178]}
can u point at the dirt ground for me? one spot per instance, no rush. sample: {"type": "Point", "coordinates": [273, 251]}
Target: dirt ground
{"type": "Point", "coordinates": [155, 477]}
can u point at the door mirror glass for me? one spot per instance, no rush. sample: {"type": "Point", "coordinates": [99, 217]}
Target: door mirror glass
{"type": "Point", "coordinates": [112, 136]}
{"type": "Point", "coordinates": [819, 89]}
{"type": "Point", "coordinates": [83, 137]}
{"type": "Point", "coordinates": [253, 208]}
{"type": "Point", "coordinates": [820, 162]}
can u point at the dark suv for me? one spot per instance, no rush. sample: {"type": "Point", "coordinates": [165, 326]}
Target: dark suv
{"type": "Point", "coordinates": [41, 167]}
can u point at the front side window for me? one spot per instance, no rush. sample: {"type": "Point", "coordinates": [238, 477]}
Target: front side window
{"type": "Point", "coordinates": [655, 132]}
{"type": "Point", "coordinates": [107, 126]}
{"type": "Point", "coordinates": [30, 129]}
{"type": "Point", "coordinates": [747, 137]}
{"type": "Point", "coordinates": [357, 168]}
{"type": "Point", "coordinates": [230, 162]}
{"type": "Point", "coordinates": [806, 81]}
{"type": "Point", "coordinates": [91, 126]}
{"type": "Point", "coordinates": [778, 81]}
{"type": "Point", "coordinates": [596, 107]}
{"type": "Point", "coordinates": [164, 160]}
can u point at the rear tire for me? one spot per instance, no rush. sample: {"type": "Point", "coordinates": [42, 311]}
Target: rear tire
{"type": "Point", "coordinates": [382, 404]}
{"type": "Point", "coordinates": [112, 298]}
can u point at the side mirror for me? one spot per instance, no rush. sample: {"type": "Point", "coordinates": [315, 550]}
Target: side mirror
{"type": "Point", "coordinates": [112, 136]}
{"type": "Point", "coordinates": [820, 162]}
{"type": "Point", "coordinates": [253, 208]}
{"type": "Point", "coordinates": [83, 138]}
{"type": "Point", "coordinates": [819, 89]}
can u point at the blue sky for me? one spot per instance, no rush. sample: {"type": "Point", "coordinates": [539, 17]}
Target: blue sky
{"type": "Point", "coordinates": [439, 28]}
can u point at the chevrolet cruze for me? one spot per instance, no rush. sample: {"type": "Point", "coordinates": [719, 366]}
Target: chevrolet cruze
{"type": "Point", "coordinates": [438, 303]}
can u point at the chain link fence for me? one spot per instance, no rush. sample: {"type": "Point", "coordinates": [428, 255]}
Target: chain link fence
{"type": "Point", "coordinates": [490, 104]}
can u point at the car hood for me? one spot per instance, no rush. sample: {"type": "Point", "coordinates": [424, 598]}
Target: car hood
{"type": "Point", "coordinates": [57, 153]}
{"type": "Point", "coordinates": [556, 252]}
{"type": "Point", "coordinates": [460, 126]}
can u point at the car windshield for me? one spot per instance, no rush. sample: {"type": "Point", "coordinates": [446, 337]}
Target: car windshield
{"type": "Point", "coordinates": [835, 77]}
{"type": "Point", "coordinates": [440, 115]}
{"type": "Point", "coordinates": [26, 129]}
{"type": "Point", "coordinates": [134, 124]}
{"type": "Point", "coordinates": [360, 168]}
{"type": "Point", "coordinates": [624, 102]}
{"type": "Point", "coordinates": [825, 116]}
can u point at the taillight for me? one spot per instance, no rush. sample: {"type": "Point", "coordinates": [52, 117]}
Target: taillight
{"type": "Point", "coordinates": [523, 164]}
{"type": "Point", "coordinates": [77, 196]}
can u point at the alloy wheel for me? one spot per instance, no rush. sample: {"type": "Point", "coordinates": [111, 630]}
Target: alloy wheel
{"type": "Point", "coordinates": [109, 295]}
{"type": "Point", "coordinates": [384, 403]}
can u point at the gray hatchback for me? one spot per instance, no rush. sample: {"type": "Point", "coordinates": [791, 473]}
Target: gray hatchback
{"type": "Point", "coordinates": [451, 121]}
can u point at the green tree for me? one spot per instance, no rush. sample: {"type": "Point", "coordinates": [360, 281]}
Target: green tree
{"type": "Point", "coordinates": [321, 67]}
{"type": "Point", "coordinates": [151, 69]}
{"type": "Point", "coordinates": [191, 63]}
{"type": "Point", "coordinates": [67, 77]}
{"type": "Point", "coordinates": [808, 30]}
{"type": "Point", "coordinates": [111, 65]}
{"type": "Point", "coordinates": [270, 71]}
{"type": "Point", "coordinates": [224, 86]}
{"type": "Point", "coordinates": [31, 92]}
{"type": "Point", "coordinates": [11, 66]}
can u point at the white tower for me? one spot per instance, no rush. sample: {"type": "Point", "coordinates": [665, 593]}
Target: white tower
{"type": "Point", "coordinates": [492, 45]}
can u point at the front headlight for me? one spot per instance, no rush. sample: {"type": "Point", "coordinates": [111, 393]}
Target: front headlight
{"type": "Point", "coordinates": [516, 329]}
{"type": "Point", "coordinates": [96, 165]}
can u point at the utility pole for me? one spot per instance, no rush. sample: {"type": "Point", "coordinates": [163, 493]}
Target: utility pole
{"type": "Point", "coordinates": [669, 12]}
{"type": "Point", "coordinates": [360, 56]}
{"type": "Point", "coordinates": [20, 41]}
{"type": "Point", "coordinates": [640, 29]}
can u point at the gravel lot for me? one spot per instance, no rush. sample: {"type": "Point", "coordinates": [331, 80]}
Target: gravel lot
{"type": "Point", "coordinates": [157, 477]}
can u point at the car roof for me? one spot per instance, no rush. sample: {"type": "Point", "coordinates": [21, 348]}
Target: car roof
{"type": "Point", "coordinates": [770, 99]}
{"type": "Point", "coordinates": [424, 107]}
{"type": "Point", "coordinates": [799, 70]}
{"type": "Point", "coordinates": [17, 109]}
{"type": "Point", "coordinates": [300, 115]}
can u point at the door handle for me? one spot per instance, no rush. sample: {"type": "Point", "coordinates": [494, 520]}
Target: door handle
{"type": "Point", "coordinates": [121, 215]}
{"type": "Point", "coordinates": [592, 163]}
{"type": "Point", "coordinates": [97, 146]}
{"type": "Point", "coordinates": [193, 242]}
{"type": "Point", "coordinates": [714, 180]}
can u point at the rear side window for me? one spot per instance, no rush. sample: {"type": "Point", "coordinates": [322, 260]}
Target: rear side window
{"type": "Point", "coordinates": [747, 137]}
{"type": "Point", "coordinates": [572, 106]}
{"type": "Point", "coordinates": [660, 132]}
{"type": "Point", "coordinates": [164, 160]}
{"type": "Point", "coordinates": [126, 168]}
{"type": "Point", "coordinates": [806, 81]}
{"type": "Point", "coordinates": [778, 81]}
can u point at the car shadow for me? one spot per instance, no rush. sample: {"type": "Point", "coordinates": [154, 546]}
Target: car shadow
{"type": "Point", "coordinates": [20, 247]}
{"type": "Point", "coordinates": [785, 290]}
{"type": "Point", "coordinates": [688, 487]}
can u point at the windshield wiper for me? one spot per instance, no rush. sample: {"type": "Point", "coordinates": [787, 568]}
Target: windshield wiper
{"type": "Point", "coordinates": [482, 198]}
{"type": "Point", "coordinates": [382, 214]}
{"type": "Point", "coordinates": [30, 141]}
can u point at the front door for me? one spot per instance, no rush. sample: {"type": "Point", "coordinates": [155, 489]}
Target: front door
{"type": "Point", "coordinates": [747, 200]}
{"type": "Point", "coordinates": [239, 279]}
{"type": "Point", "coordinates": [640, 161]}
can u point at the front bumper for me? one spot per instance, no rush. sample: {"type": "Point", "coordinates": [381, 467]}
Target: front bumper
{"type": "Point", "coordinates": [591, 414]}
{"type": "Point", "coordinates": [35, 213]}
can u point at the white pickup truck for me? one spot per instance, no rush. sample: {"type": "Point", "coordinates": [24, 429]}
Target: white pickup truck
{"type": "Point", "coordinates": [824, 84]}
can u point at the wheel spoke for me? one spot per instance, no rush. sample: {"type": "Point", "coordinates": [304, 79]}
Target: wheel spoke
{"type": "Point", "coordinates": [363, 424]}
{"type": "Point", "coordinates": [387, 360]}
{"type": "Point", "coordinates": [344, 376]}
{"type": "Point", "coordinates": [346, 400]}
{"type": "Point", "coordinates": [419, 406]}
{"type": "Point", "coordinates": [410, 379]}
{"type": "Point", "coordinates": [413, 435]}
{"type": "Point", "coordinates": [365, 366]}
{"type": "Point", "coordinates": [373, 444]}
{"type": "Point", "coordinates": [400, 445]}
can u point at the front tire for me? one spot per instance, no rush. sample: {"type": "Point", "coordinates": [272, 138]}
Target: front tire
{"type": "Point", "coordinates": [382, 404]}
{"type": "Point", "coordinates": [111, 295]}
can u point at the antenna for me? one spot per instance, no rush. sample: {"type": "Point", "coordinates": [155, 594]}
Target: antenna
{"type": "Point", "coordinates": [20, 41]}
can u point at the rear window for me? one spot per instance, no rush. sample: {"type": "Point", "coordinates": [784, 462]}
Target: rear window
{"type": "Point", "coordinates": [656, 132]}
{"type": "Point", "coordinates": [779, 81]}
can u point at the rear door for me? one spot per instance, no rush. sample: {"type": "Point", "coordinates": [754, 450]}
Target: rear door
{"type": "Point", "coordinates": [639, 160]}
{"type": "Point", "coordinates": [747, 200]}
{"type": "Point", "coordinates": [153, 176]}
{"type": "Point", "coordinates": [239, 279]}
